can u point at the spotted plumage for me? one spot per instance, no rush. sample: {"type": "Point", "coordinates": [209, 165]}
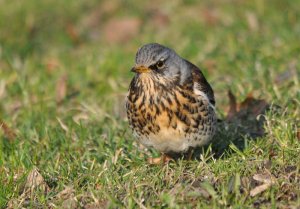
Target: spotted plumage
{"type": "Point", "coordinates": [170, 105]}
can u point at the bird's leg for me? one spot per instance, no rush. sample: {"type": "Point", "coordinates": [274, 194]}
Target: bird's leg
{"type": "Point", "coordinates": [154, 161]}
{"type": "Point", "coordinates": [163, 159]}
{"type": "Point", "coordinates": [166, 158]}
{"type": "Point", "coordinates": [190, 154]}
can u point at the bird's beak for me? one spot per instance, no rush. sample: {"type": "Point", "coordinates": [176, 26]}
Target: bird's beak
{"type": "Point", "coordinates": [140, 69]}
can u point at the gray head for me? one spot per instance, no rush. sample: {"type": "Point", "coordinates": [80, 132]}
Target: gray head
{"type": "Point", "coordinates": [154, 58]}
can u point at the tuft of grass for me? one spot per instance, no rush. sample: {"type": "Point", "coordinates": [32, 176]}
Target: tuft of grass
{"type": "Point", "coordinates": [62, 88]}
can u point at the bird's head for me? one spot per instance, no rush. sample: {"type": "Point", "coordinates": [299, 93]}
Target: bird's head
{"type": "Point", "coordinates": [159, 61]}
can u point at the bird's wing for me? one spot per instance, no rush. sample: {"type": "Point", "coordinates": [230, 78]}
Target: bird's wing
{"type": "Point", "coordinates": [201, 84]}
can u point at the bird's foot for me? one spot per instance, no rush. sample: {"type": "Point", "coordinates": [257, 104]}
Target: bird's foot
{"type": "Point", "coordinates": [164, 159]}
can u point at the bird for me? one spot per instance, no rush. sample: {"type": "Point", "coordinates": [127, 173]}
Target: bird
{"type": "Point", "coordinates": [170, 105]}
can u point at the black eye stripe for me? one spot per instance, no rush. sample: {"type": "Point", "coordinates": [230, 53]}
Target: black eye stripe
{"type": "Point", "coordinates": [153, 67]}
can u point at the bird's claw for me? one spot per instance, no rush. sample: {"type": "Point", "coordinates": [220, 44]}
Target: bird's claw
{"type": "Point", "coordinates": [164, 159]}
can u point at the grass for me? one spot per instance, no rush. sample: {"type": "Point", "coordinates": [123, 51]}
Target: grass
{"type": "Point", "coordinates": [63, 81]}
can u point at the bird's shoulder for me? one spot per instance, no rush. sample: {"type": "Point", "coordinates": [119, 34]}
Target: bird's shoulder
{"type": "Point", "coordinates": [198, 82]}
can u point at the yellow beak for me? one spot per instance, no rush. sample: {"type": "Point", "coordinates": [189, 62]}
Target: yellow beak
{"type": "Point", "coordinates": [140, 69]}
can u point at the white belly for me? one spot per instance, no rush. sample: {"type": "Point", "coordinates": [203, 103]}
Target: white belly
{"type": "Point", "coordinates": [170, 140]}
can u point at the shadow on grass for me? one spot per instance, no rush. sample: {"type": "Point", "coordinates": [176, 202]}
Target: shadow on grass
{"type": "Point", "coordinates": [243, 122]}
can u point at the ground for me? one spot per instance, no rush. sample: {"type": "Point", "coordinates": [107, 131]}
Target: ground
{"type": "Point", "coordinates": [64, 72]}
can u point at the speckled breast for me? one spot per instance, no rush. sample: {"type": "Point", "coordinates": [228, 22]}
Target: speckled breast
{"type": "Point", "coordinates": [170, 119]}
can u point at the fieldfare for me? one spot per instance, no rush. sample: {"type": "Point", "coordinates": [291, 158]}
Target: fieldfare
{"type": "Point", "coordinates": [170, 105]}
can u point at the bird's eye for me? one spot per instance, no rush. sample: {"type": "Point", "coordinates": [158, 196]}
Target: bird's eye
{"type": "Point", "coordinates": [160, 64]}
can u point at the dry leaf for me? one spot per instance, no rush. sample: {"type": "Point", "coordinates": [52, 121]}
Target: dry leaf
{"type": "Point", "coordinates": [259, 189]}
{"type": "Point", "coordinates": [253, 106]}
{"type": "Point", "coordinates": [210, 16]}
{"type": "Point", "coordinates": [116, 156]}
{"type": "Point", "coordinates": [245, 183]}
{"type": "Point", "coordinates": [103, 204]}
{"type": "Point", "coordinates": [61, 88]}
{"type": "Point", "coordinates": [35, 182]}
{"type": "Point", "coordinates": [203, 192]}
{"type": "Point", "coordinates": [158, 18]}
{"type": "Point", "coordinates": [52, 64]}
{"type": "Point", "coordinates": [66, 198]}
{"type": "Point", "coordinates": [121, 30]}
{"type": "Point", "coordinates": [66, 193]}
{"type": "Point", "coordinates": [62, 125]}
{"type": "Point", "coordinates": [73, 33]}
{"type": "Point", "coordinates": [264, 178]}
{"type": "Point", "coordinates": [250, 106]}
{"type": "Point", "coordinates": [252, 21]}
{"type": "Point", "coordinates": [14, 106]}
{"type": "Point", "coordinates": [8, 132]}
{"type": "Point", "coordinates": [298, 134]}
{"type": "Point", "coordinates": [244, 115]}
{"type": "Point", "coordinates": [286, 193]}
{"type": "Point", "coordinates": [267, 164]}
{"type": "Point", "coordinates": [80, 116]}
{"type": "Point", "coordinates": [267, 179]}
{"type": "Point", "coordinates": [232, 106]}
{"type": "Point", "coordinates": [94, 18]}
{"type": "Point", "coordinates": [69, 203]}
{"type": "Point", "coordinates": [90, 24]}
